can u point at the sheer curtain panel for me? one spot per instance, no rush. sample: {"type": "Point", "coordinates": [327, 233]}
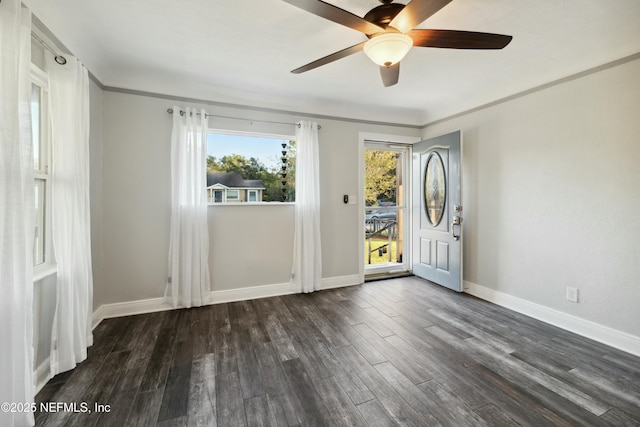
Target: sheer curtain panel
{"type": "Point", "coordinates": [188, 283]}
{"type": "Point", "coordinates": [16, 213]}
{"type": "Point", "coordinates": [307, 255]}
{"type": "Point", "coordinates": [71, 224]}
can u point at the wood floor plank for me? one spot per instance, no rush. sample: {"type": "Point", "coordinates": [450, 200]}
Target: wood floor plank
{"type": "Point", "coordinates": [276, 384]}
{"type": "Point", "coordinates": [371, 354]}
{"type": "Point", "coordinates": [309, 356]}
{"type": "Point", "coordinates": [514, 400]}
{"type": "Point", "coordinates": [618, 418]}
{"type": "Point", "coordinates": [305, 393]}
{"type": "Point", "coordinates": [366, 301]}
{"type": "Point", "coordinates": [353, 387]}
{"type": "Point", "coordinates": [413, 335]}
{"type": "Point", "coordinates": [203, 333]}
{"type": "Point", "coordinates": [259, 413]}
{"type": "Point", "coordinates": [375, 415]}
{"type": "Point", "coordinates": [145, 409]}
{"type": "Point", "coordinates": [176, 391]}
{"type": "Point", "coordinates": [120, 406]}
{"type": "Point", "coordinates": [159, 363]}
{"type": "Point", "coordinates": [620, 392]}
{"type": "Point", "coordinates": [341, 409]}
{"type": "Point", "coordinates": [568, 410]}
{"type": "Point", "coordinates": [353, 358]}
{"type": "Point", "coordinates": [470, 328]}
{"type": "Point", "coordinates": [460, 382]}
{"type": "Point", "coordinates": [249, 374]}
{"type": "Point", "coordinates": [408, 391]}
{"type": "Point", "coordinates": [143, 344]}
{"type": "Point", "coordinates": [495, 417]}
{"type": "Point", "coordinates": [416, 372]}
{"type": "Point", "coordinates": [448, 408]}
{"type": "Point", "coordinates": [418, 314]}
{"type": "Point", "coordinates": [101, 389]}
{"type": "Point", "coordinates": [393, 403]}
{"type": "Point", "coordinates": [369, 316]}
{"type": "Point", "coordinates": [225, 349]}
{"type": "Point", "coordinates": [229, 402]}
{"type": "Point", "coordinates": [202, 392]}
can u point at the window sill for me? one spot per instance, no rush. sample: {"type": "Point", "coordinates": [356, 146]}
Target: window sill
{"type": "Point", "coordinates": [253, 204]}
{"type": "Point", "coordinates": [43, 271]}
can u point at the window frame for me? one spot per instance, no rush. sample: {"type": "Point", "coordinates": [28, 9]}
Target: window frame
{"type": "Point", "coordinates": [235, 192]}
{"type": "Point", "coordinates": [40, 79]}
{"type": "Point", "coordinates": [283, 136]}
{"type": "Point", "coordinates": [255, 192]}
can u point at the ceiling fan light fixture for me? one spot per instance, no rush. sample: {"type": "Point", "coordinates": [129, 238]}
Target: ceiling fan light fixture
{"type": "Point", "coordinates": [388, 49]}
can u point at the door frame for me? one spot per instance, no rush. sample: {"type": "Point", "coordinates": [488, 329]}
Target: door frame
{"type": "Point", "coordinates": [389, 140]}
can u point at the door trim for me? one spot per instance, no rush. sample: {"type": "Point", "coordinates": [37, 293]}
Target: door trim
{"type": "Point", "coordinates": [383, 138]}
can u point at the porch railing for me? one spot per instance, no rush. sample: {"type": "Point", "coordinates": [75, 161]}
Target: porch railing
{"type": "Point", "coordinates": [378, 229]}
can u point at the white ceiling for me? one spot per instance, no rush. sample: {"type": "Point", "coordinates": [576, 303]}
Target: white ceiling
{"type": "Point", "coordinates": [242, 51]}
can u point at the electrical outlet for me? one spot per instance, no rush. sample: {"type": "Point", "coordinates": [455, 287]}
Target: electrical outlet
{"type": "Point", "coordinates": [572, 294]}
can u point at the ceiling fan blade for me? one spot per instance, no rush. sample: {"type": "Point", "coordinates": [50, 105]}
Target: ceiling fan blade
{"type": "Point", "coordinates": [390, 74]}
{"type": "Point", "coordinates": [330, 58]}
{"type": "Point", "coordinates": [453, 39]}
{"type": "Point", "coordinates": [335, 14]}
{"type": "Point", "coordinates": [415, 12]}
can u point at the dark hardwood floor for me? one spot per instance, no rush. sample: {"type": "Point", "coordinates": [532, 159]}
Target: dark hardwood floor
{"type": "Point", "coordinates": [396, 352]}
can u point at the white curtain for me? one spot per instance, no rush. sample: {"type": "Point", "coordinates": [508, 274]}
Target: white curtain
{"type": "Point", "coordinates": [71, 225]}
{"type": "Point", "coordinates": [16, 213]}
{"type": "Point", "coordinates": [307, 255]}
{"type": "Point", "coordinates": [189, 283]}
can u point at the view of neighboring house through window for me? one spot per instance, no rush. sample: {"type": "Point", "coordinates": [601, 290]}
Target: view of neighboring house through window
{"type": "Point", "coordinates": [40, 147]}
{"type": "Point", "coordinates": [250, 168]}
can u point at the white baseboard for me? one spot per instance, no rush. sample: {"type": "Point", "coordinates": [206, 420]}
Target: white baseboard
{"type": "Point", "coordinates": [249, 293]}
{"type": "Point", "coordinates": [128, 308]}
{"type": "Point", "coordinates": [341, 281]}
{"type": "Point", "coordinates": [42, 374]}
{"type": "Point", "coordinates": [609, 336]}
{"type": "Point", "coordinates": [152, 305]}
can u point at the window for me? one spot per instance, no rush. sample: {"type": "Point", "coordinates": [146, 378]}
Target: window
{"type": "Point", "coordinates": [252, 167]}
{"type": "Point", "coordinates": [40, 147]}
{"type": "Point", "coordinates": [233, 195]}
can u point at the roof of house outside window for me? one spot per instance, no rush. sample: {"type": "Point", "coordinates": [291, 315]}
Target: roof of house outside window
{"type": "Point", "coordinates": [233, 180]}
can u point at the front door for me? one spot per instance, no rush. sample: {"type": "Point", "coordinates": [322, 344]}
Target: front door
{"type": "Point", "coordinates": [437, 211]}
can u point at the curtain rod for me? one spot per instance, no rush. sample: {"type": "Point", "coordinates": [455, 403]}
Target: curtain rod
{"type": "Point", "coordinates": [182, 113]}
{"type": "Point", "coordinates": [59, 58]}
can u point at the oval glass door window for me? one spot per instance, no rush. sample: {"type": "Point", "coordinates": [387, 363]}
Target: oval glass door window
{"type": "Point", "coordinates": [435, 191]}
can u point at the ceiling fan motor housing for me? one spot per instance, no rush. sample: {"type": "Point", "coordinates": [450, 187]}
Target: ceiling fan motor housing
{"type": "Point", "coordinates": [382, 15]}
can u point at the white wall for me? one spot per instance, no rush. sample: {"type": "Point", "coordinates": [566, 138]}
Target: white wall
{"type": "Point", "coordinates": [250, 245]}
{"type": "Point", "coordinates": [552, 195]}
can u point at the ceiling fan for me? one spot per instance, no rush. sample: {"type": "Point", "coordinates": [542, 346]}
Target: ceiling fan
{"type": "Point", "coordinates": [390, 30]}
